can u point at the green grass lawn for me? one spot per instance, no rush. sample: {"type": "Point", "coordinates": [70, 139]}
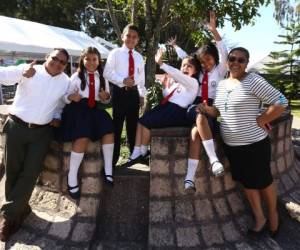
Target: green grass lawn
{"type": "Point", "coordinates": [295, 105]}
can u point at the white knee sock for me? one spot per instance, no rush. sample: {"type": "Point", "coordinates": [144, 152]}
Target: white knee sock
{"type": "Point", "coordinates": [136, 152]}
{"type": "Point", "coordinates": [75, 161]}
{"type": "Point", "coordinates": [108, 150]}
{"type": "Point", "coordinates": [191, 171]}
{"type": "Point", "coordinates": [210, 150]}
{"type": "Point", "coordinates": [144, 149]}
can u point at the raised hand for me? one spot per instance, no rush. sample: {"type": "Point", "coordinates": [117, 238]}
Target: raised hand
{"type": "Point", "coordinates": [212, 21]}
{"type": "Point", "coordinates": [75, 97]}
{"type": "Point", "coordinates": [29, 71]}
{"type": "Point", "coordinates": [159, 56]}
{"type": "Point", "coordinates": [103, 95]}
{"type": "Point", "coordinates": [172, 41]}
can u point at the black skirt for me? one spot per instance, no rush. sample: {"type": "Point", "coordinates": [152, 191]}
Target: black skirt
{"type": "Point", "coordinates": [250, 164]}
{"type": "Point", "coordinates": [167, 115]}
{"type": "Point", "coordinates": [80, 121]}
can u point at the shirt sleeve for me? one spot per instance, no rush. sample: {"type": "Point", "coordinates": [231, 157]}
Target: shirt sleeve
{"type": "Point", "coordinates": [180, 52]}
{"type": "Point", "coordinates": [108, 91]}
{"type": "Point", "coordinates": [72, 87]}
{"type": "Point", "coordinates": [223, 54]}
{"type": "Point", "coordinates": [110, 73]}
{"type": "Point", "coordinates": [266, 92]}
{"type": "Point", "coordinates": [11, 74]}
{"type": "Point", "coordinates": [141, 80]}
{"type": "Point", "coordinates": [61, 103]}
{"type": "Point", "coordinates": [188, 81]}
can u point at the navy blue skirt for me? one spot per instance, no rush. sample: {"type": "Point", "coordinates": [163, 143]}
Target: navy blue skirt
{"type": "Point", "coordinates": [192, 115]}
{"type": "Point", "coordinates": [167, 115]}
{"type": "Point", "coordinates": [80, 121]}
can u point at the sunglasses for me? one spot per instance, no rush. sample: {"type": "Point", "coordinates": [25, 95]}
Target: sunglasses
{"type": "Point", "coordinates": [56, 59]}
{"type": "Point", "coordinates": [237, 59]}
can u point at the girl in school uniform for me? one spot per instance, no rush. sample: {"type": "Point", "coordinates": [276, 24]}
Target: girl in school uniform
{"type": "Point", "coordinates": [171, 112]}
{"type": "Point", "coordinates": [213, 61]}
{"type": "Point", "coordinates": [82, 121]}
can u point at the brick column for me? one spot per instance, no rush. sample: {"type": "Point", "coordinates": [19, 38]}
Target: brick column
{"type": "Point", "coordinates": [217, 214]}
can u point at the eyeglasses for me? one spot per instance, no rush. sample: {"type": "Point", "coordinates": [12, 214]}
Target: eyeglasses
{"type": "Point", "coordinates": [237, 59]}
{"type": "Point", "coordinates": [56, 59]}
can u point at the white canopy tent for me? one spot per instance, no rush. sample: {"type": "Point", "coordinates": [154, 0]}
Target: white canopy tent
{"type": "Point", "coordinates": [28, 40]}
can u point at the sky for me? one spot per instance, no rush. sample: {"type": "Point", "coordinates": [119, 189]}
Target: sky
{"type": "Point", "coordinates": [259, 38]}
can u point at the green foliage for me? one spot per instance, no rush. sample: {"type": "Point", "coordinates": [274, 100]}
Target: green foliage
{"type": "Point", "coordinates": [154, 95]}
{"type": "Point", "coordinates": [284, 71]}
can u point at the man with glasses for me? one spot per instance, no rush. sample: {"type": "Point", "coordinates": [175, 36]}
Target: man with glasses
{"type": "Point", "coordinates": [37, 106]}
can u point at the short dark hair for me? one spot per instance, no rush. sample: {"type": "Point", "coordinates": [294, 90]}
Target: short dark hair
{"type": "Point", "coordinates": [192, 59]}
{"type": "Point", "coordinates": [130, 26]}
{"type": "Point", "coordinates": [209, 49]}
{"type": "Point", "coordinates": [64, 51]}
{"type": "Point", "coordinates": [243, 50]}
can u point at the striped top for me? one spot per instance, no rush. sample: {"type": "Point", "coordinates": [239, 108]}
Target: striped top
{"type": "Point", "coordinates": [239, 106]}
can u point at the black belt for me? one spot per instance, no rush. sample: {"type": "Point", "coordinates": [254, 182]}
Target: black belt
{"type": "Point", "coordinates": [126, 88]}
{"type": "Point", "coordinates": [26, 124]}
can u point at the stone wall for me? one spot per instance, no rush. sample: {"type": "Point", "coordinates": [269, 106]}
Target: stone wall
{"type": "Point", "coordinates": [217, 215]}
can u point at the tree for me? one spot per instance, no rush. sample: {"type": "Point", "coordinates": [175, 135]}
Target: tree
{"type": "Point", "coordinates": [284, 72]}
{"type": "Point", "coordinates": [154, 17]}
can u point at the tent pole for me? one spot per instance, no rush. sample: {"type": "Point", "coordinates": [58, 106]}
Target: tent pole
{"type": "Point", "coordinates": [71, 68]}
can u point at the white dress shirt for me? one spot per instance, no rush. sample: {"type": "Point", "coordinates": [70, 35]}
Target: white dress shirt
{"type": "Point", "coordinates": [116, 68]}
{"type": "Point", "coordinates": [186, 87]}
{"type": "Point", "coordinates": [217, 73]}
{"type": "Point", "coordinates": [38, 99]}
{"type": "Point", "coordinates": [76, 86]}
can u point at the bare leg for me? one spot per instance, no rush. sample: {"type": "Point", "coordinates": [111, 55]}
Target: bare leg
{"type": "Point", "coordinates": [145, 136]}
{"type": "Point", "coordinates": [269, 195]}
{"type": "Point", "coordinates": [195, 144]}
{"type": "Point", "coordinates": [203, 127]}
{"type": "Point", "coordinates": [80, 145]}
{"type": "Point", "coordinates": [253, 196]}
{"type": "Point", "coordinates": [138, 136]}
{"type": "Point", "coordinates": [107, 139]}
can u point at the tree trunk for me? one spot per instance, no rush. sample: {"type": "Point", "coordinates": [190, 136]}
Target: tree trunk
{"type": "Point", "coordinates": [114, 20]}
{"type": "Point", "coordinates": [134, 9]}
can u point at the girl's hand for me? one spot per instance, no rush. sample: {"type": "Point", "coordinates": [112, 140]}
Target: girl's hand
{"type": "Point", "coordinates": [212, 21]}
{"type": "Point", "coordinates": [159, 55]}
{"type": "Point", "coordinates": [103, 95]}
{"type": "Point", "coordinates": [172, 42]}
{"type": "Point", "coordinates": [75, 97]}
{"type": "Point", "coordinates": [202, 108]}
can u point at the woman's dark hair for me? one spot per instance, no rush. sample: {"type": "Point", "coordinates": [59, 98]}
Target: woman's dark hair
{"type": "Point", "coordinates": [81, 68]}
{"type": "Point", "coordinates": [208, 49]}
{"type": "Point", "coordinates": [192, 59]}
{"type": "Point", "coordinates": [243, 50]}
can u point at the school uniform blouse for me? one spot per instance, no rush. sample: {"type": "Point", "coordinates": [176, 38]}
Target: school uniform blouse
{"type": "Point", "coordinates": [75, 85]}
{"type": "Point", "coordinates": [217, 73]}
{"type": "Point", "coordinates": [116, 68]}
{"type": "Point", "coordinates": [38, 99]}
{"type": "Point", "coordinates": [186, 87]}
{"type": "Point", "coordinates": [240, 106]}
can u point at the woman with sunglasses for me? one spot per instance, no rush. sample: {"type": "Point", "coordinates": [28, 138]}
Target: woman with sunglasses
{"type": "Point", "coordinates": [244, 132]}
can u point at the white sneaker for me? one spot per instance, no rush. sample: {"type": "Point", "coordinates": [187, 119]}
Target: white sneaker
{"type": "Point", "coordinates": [189, 187]}
{"type": "Point", "coordinates": [217, 168]}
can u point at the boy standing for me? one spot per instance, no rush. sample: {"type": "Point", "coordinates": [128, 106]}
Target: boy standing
{"type": "Point", "coordinates": [125, 69]}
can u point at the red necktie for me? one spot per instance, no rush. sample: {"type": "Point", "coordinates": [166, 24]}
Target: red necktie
{"type": "Point", "coordinates": [131, 65]}
{"type": "Point", "coordinates": [204, 88]}
{"type": "Point", "coordinates": [91, 100]}
{"type": "Point", "coordinates": [166, 99]}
